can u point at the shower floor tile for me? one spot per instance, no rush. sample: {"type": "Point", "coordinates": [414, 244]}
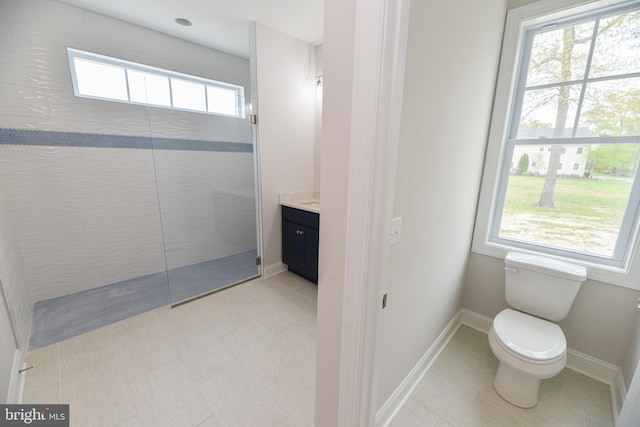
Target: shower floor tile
{"type": "Point", "coordinates": [198, 279]}
{"type": "Point", "coordinates": [64, 317]}
{"type": "Point", "coordinates": [67, 316]}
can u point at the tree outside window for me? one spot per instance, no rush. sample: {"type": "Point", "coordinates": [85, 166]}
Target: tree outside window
{"type": "Point", "coordinates": [579, 90]}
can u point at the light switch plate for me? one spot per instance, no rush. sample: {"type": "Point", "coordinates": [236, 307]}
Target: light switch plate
{"type": "Point", "coordinates": [396, 224]}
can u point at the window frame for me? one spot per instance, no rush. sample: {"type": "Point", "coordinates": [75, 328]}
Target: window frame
{"type": "Point", "coordinates": [622, 272]}
{"type": "Point", "coordinates": [160, 72]}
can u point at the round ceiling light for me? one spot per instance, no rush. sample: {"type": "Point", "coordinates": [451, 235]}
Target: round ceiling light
{"type": "Point", "coordinates": [184, 22]}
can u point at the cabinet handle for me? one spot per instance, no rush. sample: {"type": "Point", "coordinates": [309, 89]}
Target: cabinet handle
{"type": "Point", "coordinates": [300, 232]}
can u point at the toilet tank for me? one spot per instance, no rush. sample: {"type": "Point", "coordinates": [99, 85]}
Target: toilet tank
{"type": "Point", "coordinates": [541, 286]}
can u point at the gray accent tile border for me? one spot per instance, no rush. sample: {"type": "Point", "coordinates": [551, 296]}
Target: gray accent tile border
{"type": "Point", "coordinates": [198, 279]}
{"type": "Point", "coordinates": [64, 317]}
{"type": "Point", "coordinates": [73, 139]}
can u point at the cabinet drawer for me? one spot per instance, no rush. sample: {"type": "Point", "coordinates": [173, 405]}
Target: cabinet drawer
{"type": "Point", "coordinates": [310, 219]}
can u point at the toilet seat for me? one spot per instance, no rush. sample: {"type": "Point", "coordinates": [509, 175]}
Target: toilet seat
{"type": "Point", "coordinates": [529, 338]}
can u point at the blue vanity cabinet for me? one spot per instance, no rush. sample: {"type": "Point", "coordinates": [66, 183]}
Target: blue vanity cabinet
{"type": "Point", "coordinates": [300, 237]}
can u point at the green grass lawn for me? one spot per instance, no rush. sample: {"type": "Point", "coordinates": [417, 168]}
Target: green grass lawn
{"type": "Point", "coordinates": [586, 217]}
{"type": "Point", "coordinates": [572, 196]}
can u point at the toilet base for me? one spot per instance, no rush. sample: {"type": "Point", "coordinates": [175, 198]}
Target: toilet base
{"type": "Point", "coordinates": [515, 387]}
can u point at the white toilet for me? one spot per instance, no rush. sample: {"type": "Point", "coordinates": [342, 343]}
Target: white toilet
{"type": "Point", "coordinates": [528, 347]}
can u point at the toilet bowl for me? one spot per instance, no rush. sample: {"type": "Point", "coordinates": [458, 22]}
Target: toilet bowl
{"type": "Point", "coordinates": [529, 350]}
{"type": "Point", "coordinates": [528, 345]}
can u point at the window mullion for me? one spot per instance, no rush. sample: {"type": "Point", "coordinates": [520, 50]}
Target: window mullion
{"type": "Point", "coordinates": [583, 89]}
{"type": "Point", "coordinates": [581, 140]}
{"type": "Point", "coordinates": [126, 80]}
{"type": "Point", "coordinates": [206, 99]}
{"type": "Point", "coordinates": [521, 83]}
{"type": "Point", "coordinates": [589, 80]}
{"type": "Point", "coordinates": [502, 189]}
{"type": "Point", "coordinates": [171, 91]}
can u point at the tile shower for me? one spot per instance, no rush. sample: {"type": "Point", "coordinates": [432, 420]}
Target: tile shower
{"type": "Point", "coordinates": [109, 208]}
{"type": "Point", "coordinates": [109, 226]}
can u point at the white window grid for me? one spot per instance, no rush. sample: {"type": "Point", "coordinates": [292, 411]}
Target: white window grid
{"type": "Point", "coordinates": [603, 268]}
{"type": "Point", "coordinates": [128, 66]}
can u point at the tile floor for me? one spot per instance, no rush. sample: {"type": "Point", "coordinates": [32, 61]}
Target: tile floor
{"type": "Point", "coordinates": [245, 357]}
{"type": "Point", "coordinates": [458, 391]}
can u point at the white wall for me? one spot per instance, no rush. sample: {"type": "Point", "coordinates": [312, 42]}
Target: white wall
{"type": "Point", "coordinates": [632, 357]}
{"type": "Point", "coordinates": [286, 106]}
{"type": "Point", "coordinates": [452, 61]}
{"type": "Point", "coordinates": [87, 216]}
{"type": "Point", "coordinates": [338, 54]}
{"type": "Point", "coordinates": [317, 154]}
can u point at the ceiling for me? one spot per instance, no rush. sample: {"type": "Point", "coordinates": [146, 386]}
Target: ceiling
{"type": "Point", "coordinates": [219, 24]}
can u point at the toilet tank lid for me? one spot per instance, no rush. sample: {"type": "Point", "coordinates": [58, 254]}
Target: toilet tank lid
{"type": "Point", "coordinates": [546, 265]}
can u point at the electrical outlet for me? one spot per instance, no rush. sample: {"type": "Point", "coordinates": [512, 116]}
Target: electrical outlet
{"type": "Point", "coordinates": [396, 224]}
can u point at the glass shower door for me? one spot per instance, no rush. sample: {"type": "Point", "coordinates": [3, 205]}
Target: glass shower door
{"type": "Point", "coordinates": [206, 179]}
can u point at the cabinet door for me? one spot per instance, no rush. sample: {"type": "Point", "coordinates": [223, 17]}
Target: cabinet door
{"type": "Point", "coordinates": [293, 245]}
{"type": "Point", "coordinates": [311, 240]}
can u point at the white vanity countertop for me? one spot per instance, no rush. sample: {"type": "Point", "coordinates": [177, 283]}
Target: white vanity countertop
{"type": "Point", "coordinates": [304, 200]}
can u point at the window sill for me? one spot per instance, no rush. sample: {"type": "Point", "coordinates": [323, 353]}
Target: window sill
{"type": "Point", "coordinates": [629, 278]}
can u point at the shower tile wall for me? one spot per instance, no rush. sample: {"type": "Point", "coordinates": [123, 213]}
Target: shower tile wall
{"type": "Point", "coordinates": [86, 216]}
{"type": "Point", "coordinates": [14, 282]}
{"type": "Point", "coordinates": [221, 205]}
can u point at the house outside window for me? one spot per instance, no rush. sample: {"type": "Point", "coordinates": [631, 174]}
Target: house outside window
{"type": "Point", "coordinates": [570, 76]}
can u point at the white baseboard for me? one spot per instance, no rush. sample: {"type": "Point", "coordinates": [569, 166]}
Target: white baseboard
{"type": "Point", "coordinates": [590, 366]}
{"type": "Point", "coordinates": [16, 382]}
{"type": "Point", "coordinates": [618, 394]}
{"type": "Point", "coordinates": [273, 269]}
{"type": "Point", "coordinates": [600, 371]}
{"type": "Point", "coordinates": [397, 400]}
{"type": "Point", "coordinates": [476, 321]}
{"type": "Point", "coordinates": [576, 361]}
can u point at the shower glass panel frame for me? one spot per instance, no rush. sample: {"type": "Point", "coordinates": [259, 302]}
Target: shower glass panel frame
{"type": "Point", "coordinates": [207, 184]}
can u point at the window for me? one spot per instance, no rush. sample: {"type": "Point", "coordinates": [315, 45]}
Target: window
{"type": "Point", "coordinates": [102, 77]}
{"type": "Point", "coordinates": [576, 84]}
